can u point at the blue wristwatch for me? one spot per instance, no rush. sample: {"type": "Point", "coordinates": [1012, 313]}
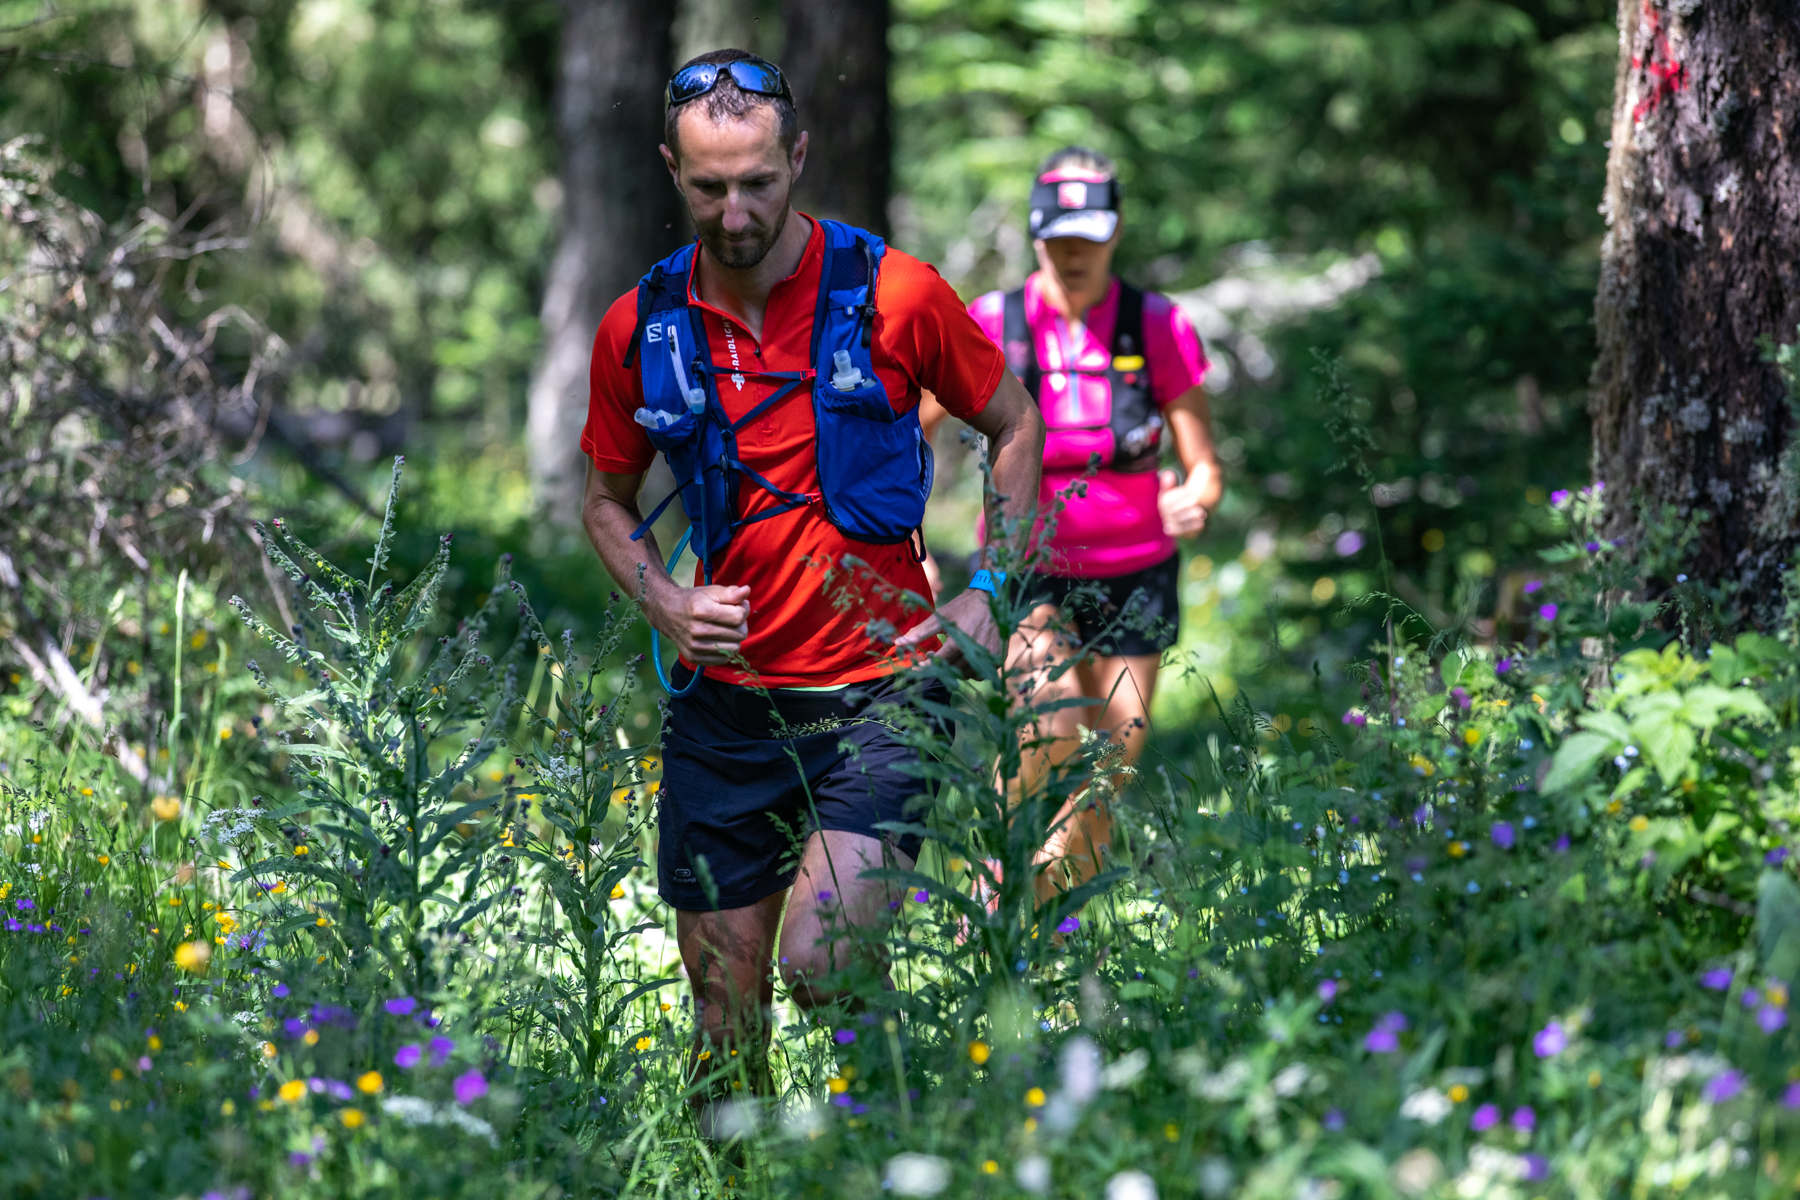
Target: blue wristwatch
{"type": "Point", "coordinates": [985, 580]}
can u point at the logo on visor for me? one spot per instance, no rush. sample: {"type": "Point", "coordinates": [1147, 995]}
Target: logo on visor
{"type": "Point", "coordinates": [1072, 194]}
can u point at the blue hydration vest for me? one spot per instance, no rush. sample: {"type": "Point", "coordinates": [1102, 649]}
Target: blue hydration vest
{"type": "Point", "coordinates": [874, 465]}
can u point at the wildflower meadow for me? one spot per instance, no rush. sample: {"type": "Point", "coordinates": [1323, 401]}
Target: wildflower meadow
{"type": "Point", "coordinates": [1523, 922]}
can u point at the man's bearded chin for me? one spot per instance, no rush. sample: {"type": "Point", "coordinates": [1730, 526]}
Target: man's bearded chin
{"type": "Point", "coordinates": [740, 254]}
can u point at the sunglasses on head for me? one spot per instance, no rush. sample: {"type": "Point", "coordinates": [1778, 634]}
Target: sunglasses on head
{"type": "Point", "coordinates": [750, 74]}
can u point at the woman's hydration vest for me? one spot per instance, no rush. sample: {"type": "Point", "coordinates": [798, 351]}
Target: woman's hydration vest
{"type": "Point", "coordinates": [1120, 426]}
{"type": "Point", "coordinates": [874, 465]}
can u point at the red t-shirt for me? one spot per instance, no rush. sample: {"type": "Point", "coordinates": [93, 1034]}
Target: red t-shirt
{"type": "Point", "coordinates": [809, 617]}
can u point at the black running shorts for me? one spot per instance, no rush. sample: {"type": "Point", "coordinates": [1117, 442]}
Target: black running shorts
{"type": "Point", "coordinates": [1138, 613]}
{"type": "Point", "coordinates": [741, 791]}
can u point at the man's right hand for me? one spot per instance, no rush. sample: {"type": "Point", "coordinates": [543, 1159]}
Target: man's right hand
{"type": "Point", "coordinates": [707, 624]}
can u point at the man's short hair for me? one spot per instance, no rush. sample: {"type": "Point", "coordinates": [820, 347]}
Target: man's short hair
{"type": "Point", "coordinates": [728, 101]}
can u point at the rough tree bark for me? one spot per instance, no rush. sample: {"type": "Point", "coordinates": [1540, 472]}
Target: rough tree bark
{"type": "Point", "coordinates": [619, 215]}
{"type": "Point", "coordinates": [836, 60]}
{"type": "Point", "coordinates": [1701, 261]}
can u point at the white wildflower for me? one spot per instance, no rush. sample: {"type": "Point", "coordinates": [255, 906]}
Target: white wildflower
{"type": "Point", "coordinates": [416, 1110]}
{"type": "Point", "coordinates": [911, 1174]}
{"type": "Point", "coordinates": [1124, 1072]}
{"type": "Point", "coordinates": [1215, 1178]}
{"type": "Point", "coordinates": [1229, 1080]}
{"type": "Point", "coordinates": [1131, 1185]}
{"type": "Point", "coordinates": [1033, 1174]}
{"type": "Point", "coordinates": [1429, 1106]}
{"type": "Point", "coordinates": [1290, 1080]}
{"type": "Point", "coordinates": [1081, 1074]}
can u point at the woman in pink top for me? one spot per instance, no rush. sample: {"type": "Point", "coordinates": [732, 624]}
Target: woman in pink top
{"type": "Point", "coordinates": [1117, 373]}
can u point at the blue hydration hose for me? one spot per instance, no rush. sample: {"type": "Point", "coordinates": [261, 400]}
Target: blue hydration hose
{"type": "Point", "coordinates": [656, 642]}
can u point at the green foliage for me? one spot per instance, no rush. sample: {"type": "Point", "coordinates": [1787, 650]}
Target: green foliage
{"type": "Point", "coordinates": [1448, 951]}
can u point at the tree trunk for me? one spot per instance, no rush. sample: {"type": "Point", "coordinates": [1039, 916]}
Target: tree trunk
{"type": "Point", "coordinates": [1701, 262]}
{"type": "Point", "coordinates": [836, 60]}
{"type": "Point", "coordinates": [619, 215]}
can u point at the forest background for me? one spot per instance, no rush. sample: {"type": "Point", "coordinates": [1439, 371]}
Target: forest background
{"type": "Point", "coordinates": [1410, 188]}
{"type": "Point", "coordinates": [1462, 861]}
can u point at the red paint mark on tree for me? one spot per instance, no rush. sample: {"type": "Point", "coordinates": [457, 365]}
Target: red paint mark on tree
{"type": "Point", "coordinates": [1666, 75]}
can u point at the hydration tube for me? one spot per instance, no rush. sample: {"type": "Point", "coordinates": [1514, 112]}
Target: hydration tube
{"type": "Point", "coordinates": [662, 676]}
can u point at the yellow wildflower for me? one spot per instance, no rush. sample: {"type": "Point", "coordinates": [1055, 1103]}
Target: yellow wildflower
{"type": "Point", "coordinates": [1458, 1093]}
{"type": "Point", "coordinates": [838, 1084]}
{"type": "Point", "coordinates": [292, 1090]}
{"type": "Point", "coordinates": [268, 1050]}
{"type": "Point", "coordinates": [1640, 823]}
{"type": "Point", "coordinates": [369, 1082]}
{"type": "Point", "coordinates": [990, 1167]}
{"type": "Point", "coordinates": [978, 1052]}
{"type": "Point", "coordinates": [643, 1043]}
{"type": "Point", "coordinates": [166, 808]}
{"type": "Point", "coordinates": [311, 1037]}
{"type": "Point", "coordinates": [1472, 737]}
{"type": "Point", "coordinates": [618, 892]}
{"type": "Point", "coordinates": [1035, 1098]}
{"type": "Point", "coordinates": [193, 957]}
{"type": "Point", "coordinates": [352, 1118]}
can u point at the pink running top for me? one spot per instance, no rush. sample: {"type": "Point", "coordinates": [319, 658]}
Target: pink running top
{"type": "Point", "coordinates": [1115, 529]}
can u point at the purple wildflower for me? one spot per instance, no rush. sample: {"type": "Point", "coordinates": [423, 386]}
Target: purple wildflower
{"type": "Point", "coordinates": [1791, 1097]}
{"type": "Point", "coordinates": [824, 896]}
{"type": "Point", "coordinates": [24, 904]}
{"type": "Point", "coordinates": [279, 991]}
{"type": "Point", "coordinates": [1462, 698]}
{"type": "Point", "coordinates": [441, 1048]}
{"type": "Point", "coordinates": [1534, 586]}
{"type": "Point", "coordinates": [843, 1100]}
{"type": "Point", "coordinates": [1777, 856]}
{"type": "Point", "coordinates": [844, 1037]}
{"type": "Point", "coordinates": [13, 926]}
{"type": "Point", "coordinates": [1547, 612]}
{"type": "Point", "coordinates": [144, 1063]}
{"type": "Point", "coordinates": [1672, 1039]}
{"type": "Point", "coordinates": [469, 1087]}
{"type": "Point", "coordinates": [1536, 1167]}
{"type": "Point", "coordinates": [1068, 925]}
{"type": "Point", "coordinates": [1524, 1119]}
{"type": "Point", "coordinates": [1334, 1120]}
{"type": "Point", "coordinates": [299, 1158]}
{"type": "Point", "coordinates": [295, 1027]}
{"type": "Point", "coordinates": [1592, 547]}
{"type": "Point", "coordinates": [1328, 991]}
{"type": "Point", "coordinates": [1559, 497]}
{"type": "Point", "coordinates": [407, 1057]}
{"type": "Point", "coordinates": [1385, 1037]}
{"type": "Point", "coordinates": [1751, 997]}
{"type": "Point", "coordinates": [337, 1089]}
{"type": "Point", "coordinates": [1717, 979]}
{"type": "Point", "coordinates": [1485, 1118]}
{"type": "Point", "coordinates": [1771, 1019]}
{"type": "Point", "coordinates": [401, 1006]}
{"type": "Point", "coordinates": [1348, 543]}
{"type": "Point", "coordinates": [1723, 1086]}
{"type": "Point", "coordinates": [1356, 718]}
{"type": "Point", "coordinates": [1502, 833]}
{"type": "Point", "coordinates": [1503, 666]}
{"type": "Point", "coordinates": [1562, 844]}
{"type": "Point", "coordinates": [921, 896]}
{"type": "Point", "coordinates": [1550, 1041]}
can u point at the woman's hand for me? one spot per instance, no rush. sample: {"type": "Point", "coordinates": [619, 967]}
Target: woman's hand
{"type": "Point", "coordinates": [1183, 514]}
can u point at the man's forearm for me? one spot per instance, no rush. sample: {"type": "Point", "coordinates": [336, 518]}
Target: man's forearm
{"type": "Point", "coordinates": [610, 522]}
{"type": "Point", "coordinates": [1016, 462]}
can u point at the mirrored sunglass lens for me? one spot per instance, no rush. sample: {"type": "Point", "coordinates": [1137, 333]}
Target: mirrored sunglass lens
{"type": "Point", "coordinates": [760, 78]}
{"type": "Point", "coordinates": [691, 82]}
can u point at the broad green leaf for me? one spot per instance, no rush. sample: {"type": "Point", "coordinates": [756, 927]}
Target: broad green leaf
{"type": "Point", "coordinates": [1576, 757]}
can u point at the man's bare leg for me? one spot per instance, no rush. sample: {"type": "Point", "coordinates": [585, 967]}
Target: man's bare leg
{"type": "Point", "coordinates": [726, 955]}
{"type": "Point", "coordinates": [830, 895]}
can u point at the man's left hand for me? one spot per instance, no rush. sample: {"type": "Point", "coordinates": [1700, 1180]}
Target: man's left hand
{"type": "Point", "coordinates": [1179, 503]}
{"type": "Point", "coordinates": [970, 613]}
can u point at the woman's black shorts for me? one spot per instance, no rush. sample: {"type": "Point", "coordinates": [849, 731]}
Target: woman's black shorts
{"type": "Point", "coordinates": [1138, 613]}
{"type": "Point", "coordinates": [741, 790]}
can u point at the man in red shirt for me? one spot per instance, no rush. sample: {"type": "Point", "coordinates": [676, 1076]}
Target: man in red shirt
{"type": "Point", "coordinates": [758, 794]}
